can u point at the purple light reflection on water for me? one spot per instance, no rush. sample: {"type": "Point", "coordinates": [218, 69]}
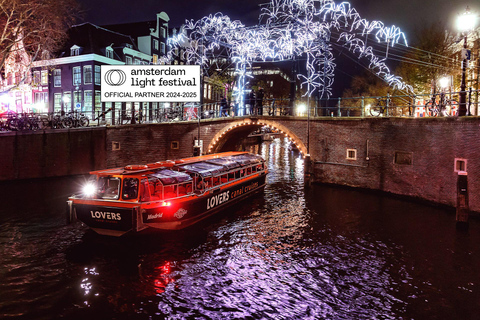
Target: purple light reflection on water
{"type": "Point", "coordinates": [265, 269]}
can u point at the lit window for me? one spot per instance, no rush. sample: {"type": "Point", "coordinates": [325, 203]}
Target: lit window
{"type": "Point", "coordinates": [98, 102]}
{"type": "Point", "coordinates": [87, 101]}
{"type": "Point", "coordinates": [57, 102]}
{"type": "Point", "coordinates": [155, 59]}
{"type": "Point", "coordinates": [36, 77]}
{"type": "Point", "coordinates": [40, 99]}
{"type": "Point", "coordinates": [44, 77]}
{"type": "Point", "coordinates": [67, 101]}
{"type": "Point", "coordinates": [77, 76]}
{"type": "Point", "coordinates": [75, 51]}
{"type": "Point", "coordinates": [97, 75]}
{"type": "Point", "coordinates": [87, 74]}
{"type": "Point", "coordinates": [57, 78]}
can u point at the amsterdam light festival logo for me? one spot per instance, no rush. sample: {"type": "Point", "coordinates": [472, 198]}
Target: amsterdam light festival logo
{"type": "Point", "coordinates": [115, 77]}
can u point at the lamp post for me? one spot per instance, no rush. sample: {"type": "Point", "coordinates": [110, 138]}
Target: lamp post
{"type": "Point", "coordinates": [465, 23]}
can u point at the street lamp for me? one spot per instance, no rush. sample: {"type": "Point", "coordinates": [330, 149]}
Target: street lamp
{"type": "Point", "coordinates": [301, 108]}
{"type": "Point", "coordinates": [465, 23]}
{"type": "Point", "coordinates": [444, 82]}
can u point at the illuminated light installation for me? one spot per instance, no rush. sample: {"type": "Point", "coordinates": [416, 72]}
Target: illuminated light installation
{"type": "Point", "coordinates": [292, 28]}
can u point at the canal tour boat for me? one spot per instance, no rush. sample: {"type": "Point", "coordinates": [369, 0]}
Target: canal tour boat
{"type": "Point", "coordinates": [167, 195]}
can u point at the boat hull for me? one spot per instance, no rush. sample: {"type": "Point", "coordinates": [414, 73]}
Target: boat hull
{"type": "Point", "coordinates": [118, 219]}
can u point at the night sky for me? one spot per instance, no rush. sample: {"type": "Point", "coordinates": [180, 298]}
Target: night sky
{"type": "Point", "coordinates": [406, 14]}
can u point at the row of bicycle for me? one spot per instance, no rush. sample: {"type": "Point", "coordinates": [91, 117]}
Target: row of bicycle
{"type": "Point", "coordinates": [443, 107]}
{"type": "Point", "coordinates": [12, 121]}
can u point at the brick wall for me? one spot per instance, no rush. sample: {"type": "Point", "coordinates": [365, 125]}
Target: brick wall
{"type": "Point", "coordinates": [51, 153]}
{"type": "Point", "coordinates": [411, 157]}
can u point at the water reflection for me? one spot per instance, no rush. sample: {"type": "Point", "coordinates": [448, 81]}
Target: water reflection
{"type": "Point", "coordinates": [286, 253]}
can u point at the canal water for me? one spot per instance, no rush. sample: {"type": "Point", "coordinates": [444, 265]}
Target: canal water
{"type": "Point", "coordinates": [286, 253]}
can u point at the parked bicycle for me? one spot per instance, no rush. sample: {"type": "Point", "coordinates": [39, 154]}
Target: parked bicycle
{"type": "Point", "coordinates": [383, 108]}
{"type": "Point", "coordinates": [23, 121]}
{"type": "Point", "coordinates": [54, 121]}
{"type": "Point", "coordinates": [75, 119]}
{"type": "Point", "coordinates": [443, 107]}
{"type": "Point", "coordinates": [169, 114]}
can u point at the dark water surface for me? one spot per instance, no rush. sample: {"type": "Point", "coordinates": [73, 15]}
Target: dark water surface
{"type": "Point", "coordinates": [286, 253]}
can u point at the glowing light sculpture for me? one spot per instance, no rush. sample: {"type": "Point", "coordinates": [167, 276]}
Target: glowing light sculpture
{"type": "Point", "coordinates": [292, 28]}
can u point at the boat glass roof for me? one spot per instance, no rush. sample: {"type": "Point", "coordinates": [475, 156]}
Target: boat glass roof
{"type": "Point", "coordinates": [245, 159]}
{"type": "Point", "coordinates": [168, 176]}
{"type": "Point", "coordinates": [204, 168]}
{"type": "Point", "coordinates": [227, 163]}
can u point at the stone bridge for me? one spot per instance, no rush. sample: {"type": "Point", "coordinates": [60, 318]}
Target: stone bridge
{"type": "Point", "coordinates": [413, 157]}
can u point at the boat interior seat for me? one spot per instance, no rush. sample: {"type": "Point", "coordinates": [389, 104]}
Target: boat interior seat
{"type": "Point", "coordinates": [169, 195]}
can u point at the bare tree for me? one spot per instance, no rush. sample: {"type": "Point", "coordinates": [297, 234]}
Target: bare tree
{"type": "Point", "coordinates": [430, 58]}
{"type": "Point", "coordinates": [37, 27]}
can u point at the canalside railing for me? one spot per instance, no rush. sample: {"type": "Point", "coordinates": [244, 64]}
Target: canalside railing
{"type": "Point", "coordinates": [425, 105]}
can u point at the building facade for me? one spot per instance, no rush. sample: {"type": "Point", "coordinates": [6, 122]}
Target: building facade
{"type": "Point", "coordinates": [72, 81]}
{"type": "Point", "coordinates": [15, 89]}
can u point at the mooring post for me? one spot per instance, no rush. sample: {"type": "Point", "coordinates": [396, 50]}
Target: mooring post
{"type": "Point", "coordinates": [308, 170]}
{"type": "Point", "coordinates": [462, 200]}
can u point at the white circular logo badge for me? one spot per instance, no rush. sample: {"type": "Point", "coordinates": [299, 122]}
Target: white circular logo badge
{"type": "Point", "coordinates": [115, 77]}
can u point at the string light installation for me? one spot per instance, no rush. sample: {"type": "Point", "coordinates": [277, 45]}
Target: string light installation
{"type": "Point", "coordinates": [289, 29]}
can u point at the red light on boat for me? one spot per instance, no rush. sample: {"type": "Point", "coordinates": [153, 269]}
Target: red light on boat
{"type": "Point", "coordinates": [166, 204]}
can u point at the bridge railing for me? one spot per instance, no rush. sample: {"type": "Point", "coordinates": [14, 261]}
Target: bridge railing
{"type": "Point", "coordinates": [394, 105]}
{"type": "Point", "coordinates": [420, 105]}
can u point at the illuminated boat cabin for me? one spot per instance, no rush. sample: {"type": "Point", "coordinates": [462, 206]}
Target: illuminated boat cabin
{"type": "Point", "coordinates": [166, 195]}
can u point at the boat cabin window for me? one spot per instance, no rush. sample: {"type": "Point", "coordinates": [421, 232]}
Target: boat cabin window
{"type": "Point", "coordinates": [108, 188]}
{"type": "Point", "coordinates": [130, 188]}
{"type": "Point", "coordinates": [144, 190]}
{"type": "Point", "coordinates": [166, 184]}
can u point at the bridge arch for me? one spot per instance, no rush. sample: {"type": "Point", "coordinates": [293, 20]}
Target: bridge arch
{"type": "Point", "coordinates": [246, 126]}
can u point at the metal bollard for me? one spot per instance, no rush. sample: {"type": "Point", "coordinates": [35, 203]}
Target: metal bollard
{"type": "Point", "coordinates": [462, 207]}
